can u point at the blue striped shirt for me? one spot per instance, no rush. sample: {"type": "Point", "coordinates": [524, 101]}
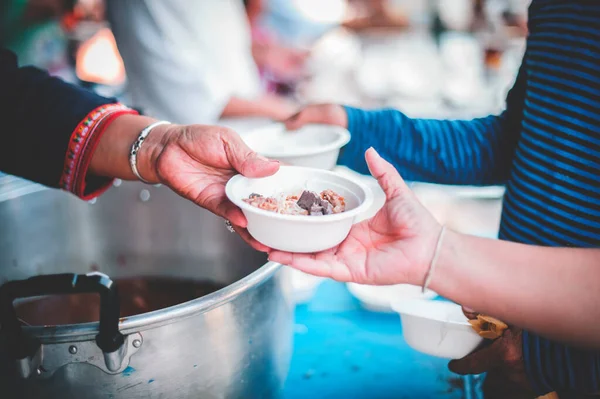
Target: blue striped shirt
{"type": "Point", "coordinates": [545, 147]}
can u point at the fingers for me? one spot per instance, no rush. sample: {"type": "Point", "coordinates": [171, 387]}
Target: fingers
{"type": "Point", "coordinates": [300, 119]}
{"type": "Point", "coordinates": [315, 264]}
{"type": "Point", "coordinates": [245, 235]}
{"type": "Point", "coordinates": [246, 161]}
{"type": "Point", "coordinates": [469, 313]}
{"type": "Point", "coordinates": [387, 176]}
{"type": "Point", "coordinates": [213, 198]}
{"type": "Point", "coordinates": [233, 214]}
{"type": "Point", "coordinates": [320, 113]}
{"type": "Point", "coordinates": [479, 361]}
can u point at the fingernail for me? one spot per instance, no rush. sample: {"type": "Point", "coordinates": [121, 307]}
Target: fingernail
{"type": "Point", "coordinates": [262, 158]}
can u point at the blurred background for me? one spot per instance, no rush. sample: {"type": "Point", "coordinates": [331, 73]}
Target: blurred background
{"type": "Point", "coordinates": [433, 58]}
{"type": "Point", "coordinates": [428, 58]}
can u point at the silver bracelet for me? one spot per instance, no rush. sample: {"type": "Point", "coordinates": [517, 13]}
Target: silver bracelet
{"type": "Point", "coordinates": [429, 275]}
{"type": "Point", "coordinates": [137, 144]}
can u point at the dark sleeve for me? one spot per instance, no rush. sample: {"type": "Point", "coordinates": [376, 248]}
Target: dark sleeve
{"type": "Point", "coordinates": [474, 152]}
{"type": "Point", "coordinates": [38, 115]}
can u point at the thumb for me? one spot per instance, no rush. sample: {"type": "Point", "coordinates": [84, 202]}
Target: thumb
{"type": "Point", "coordinates": [479, 361]}
{"type": "Point", "coordinates": [387, 176]}
{"type": "Point", "coordinates": [247, 162]}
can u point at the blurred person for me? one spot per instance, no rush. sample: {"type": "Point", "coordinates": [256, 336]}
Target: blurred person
{"type": "Point", "coordinates": [191, 61]}
{"type": "Point", "coordinates": [545, 147]}
{"type": "Point", "coordinates": [277, 62]}
{"type": "Point", "coordinates": [66, 137]}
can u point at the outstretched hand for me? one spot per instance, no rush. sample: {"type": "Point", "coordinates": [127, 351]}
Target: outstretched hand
{"type": "Point", "coordinates": [395, 246]}
{"type": "Point", "coordinates": [197, 161]}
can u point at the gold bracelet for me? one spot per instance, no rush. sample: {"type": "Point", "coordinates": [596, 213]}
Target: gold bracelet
{"type": "Point", "coordinates": [429, 274]}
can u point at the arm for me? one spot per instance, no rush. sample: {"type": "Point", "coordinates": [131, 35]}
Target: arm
{"type": "Point", "coordinates": [62, 136]}
{"type": "Point", "coordinates": [553, 292]}
{"type": "Point", "coordinates": [41, 115]}
{"type": "Point", "coordinates": [550, 291]}
{"type": "Point", "coordinates": [179, 68]}
{"type": "Point", "coordinates": [267, 106]}
{"type": "Point", "coordinates": [477, 151]}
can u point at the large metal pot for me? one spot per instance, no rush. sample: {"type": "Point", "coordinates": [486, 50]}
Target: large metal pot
{"type": "Point", "coordinates": [232, 343]}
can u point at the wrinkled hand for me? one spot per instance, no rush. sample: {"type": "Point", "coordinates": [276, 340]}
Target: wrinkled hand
{"type": "Point", "coordinates": [502, 360]}
{"type": "Point", "coordinates": [395, 246]}
{"type": "Point", "coordinates": [196, 162]}
{"type": "Point", "coordinates": [327, 114]}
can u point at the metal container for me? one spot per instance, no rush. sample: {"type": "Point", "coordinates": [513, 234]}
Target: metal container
{"type": "Point", "coordinates": [232, 343]}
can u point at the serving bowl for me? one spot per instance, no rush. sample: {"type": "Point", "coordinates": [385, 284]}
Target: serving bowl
{"type": "Point", "coordinates": [299, 233]}
{"type": "Point", "coordinates": [437, 328]}
{"type": "Point", "coordinates": [315, 146]}
{"type": "Point", "coordinates": [379, 298]}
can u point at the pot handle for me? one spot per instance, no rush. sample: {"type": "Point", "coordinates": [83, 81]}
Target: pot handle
{"type": "Point", "coordinates": [109, 338]}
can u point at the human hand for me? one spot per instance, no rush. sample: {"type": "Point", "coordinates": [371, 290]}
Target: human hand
{"type": "Point", "coordinates": [395, 246]}
{"type": "Point", "coordinates": [328, 114]}
{"type": "Point", "coordinates": [196, 162]}
{"type": "Point", "coordinates": [278, 107]}
{"type": "Point", "coordinates": [502, 359]}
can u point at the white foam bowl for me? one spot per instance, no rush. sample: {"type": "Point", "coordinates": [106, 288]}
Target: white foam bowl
{"type": "Point", "coordinates": [379, 298]}
{"type": "Point", "coordinates": [299, 233]}
{"type": "Point", "coordinates": [315, 146]}
{"type": "Point", "coordinates": [437, 328]}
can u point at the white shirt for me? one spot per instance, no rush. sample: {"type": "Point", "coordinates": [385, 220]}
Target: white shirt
{"type": "Point", "coordinates": [185, 58]}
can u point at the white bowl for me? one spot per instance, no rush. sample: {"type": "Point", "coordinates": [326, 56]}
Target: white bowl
{"type": "Point", "coordinates": [299, 233]}
{"type": "Point", "coordinates": [437, 328]}
{"type": "Point", "coordinates": [379, 298]}
{"type": "Point", "coordinates": [315, 146]}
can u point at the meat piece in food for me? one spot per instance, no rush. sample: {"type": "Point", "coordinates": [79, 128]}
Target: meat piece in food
{"type": "Point", "coordinates": [308, 199]}
{"type": "Point", "coordinates": [314, 204]}
{"type": "Point", "coordinates": [337, 201]}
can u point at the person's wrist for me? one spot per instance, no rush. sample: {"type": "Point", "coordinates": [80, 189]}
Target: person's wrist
{"type": "Point", "coordinates": [150, 151]}
{"type": "Point", "coordinates": [448, 251]}
{"type": "Point", "coordinates": [421, 260]}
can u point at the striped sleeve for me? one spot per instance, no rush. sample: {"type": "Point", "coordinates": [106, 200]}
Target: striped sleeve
{"type": "Point", "coordinates": [474, 152]}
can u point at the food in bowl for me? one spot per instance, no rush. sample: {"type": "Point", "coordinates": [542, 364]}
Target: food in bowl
{"type": "Point", "coordinates": [328, 202]}
{"type": "Point", "coordinates": [300, 232]}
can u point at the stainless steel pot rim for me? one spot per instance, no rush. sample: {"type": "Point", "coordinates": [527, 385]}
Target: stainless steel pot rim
{"type": "Point", "coordinates": [137, 323]}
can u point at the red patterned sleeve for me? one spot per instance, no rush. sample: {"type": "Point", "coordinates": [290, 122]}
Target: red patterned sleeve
{"type": "Point", "coordinates": [83, 142]}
